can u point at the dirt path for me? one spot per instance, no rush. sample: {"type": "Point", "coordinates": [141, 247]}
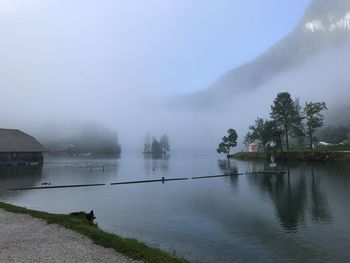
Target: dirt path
{"type": "Point", "coordinates": [27, 239]}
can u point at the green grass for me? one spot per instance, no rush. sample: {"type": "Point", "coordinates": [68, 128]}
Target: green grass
{"type": "Point", "coordinates": [78, 222]}
{"type": "Point", "coordinates": [329, 148]}
{"type": "Point", "coordinates": [250, 156]}
{"type": "Point", "coordinates": [301, 154]}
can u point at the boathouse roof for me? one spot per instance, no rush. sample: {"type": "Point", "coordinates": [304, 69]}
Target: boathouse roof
{"type": "Point", "coordinates": [17, 141]}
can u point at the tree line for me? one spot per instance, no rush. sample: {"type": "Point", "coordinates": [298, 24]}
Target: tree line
{"type": "Point", "coordinates": [156, 146]}
{"type": "Point", "coordinates": [288, 121]}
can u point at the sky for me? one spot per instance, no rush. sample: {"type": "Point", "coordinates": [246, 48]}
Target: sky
{"type": "Point", "coordinates": [161, 46]}
{"type": "Point", "coordinates": [88, 60]}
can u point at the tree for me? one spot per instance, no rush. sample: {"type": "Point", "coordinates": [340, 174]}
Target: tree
{"type": "Point", "coordinates": [249, 138]}
{"type": "Point", "coordinates": [259, 131]}
{"type": "Point", "coordinates": [147, 145]}
{"type": "Point", "coordinates": [284, 113]}
{"type": "Point", "coordinates": [228, 142]}
{"type": "Point", "coordinates": [314, 118]}
{"type": "Point", "coordinates": [297, 129]}
{"type": "Point", "coordinates": [264, 131]}
{"type": "Point", "coordinates": [164, 143]}
{"type": "Point", "coordinates": [156, 147]}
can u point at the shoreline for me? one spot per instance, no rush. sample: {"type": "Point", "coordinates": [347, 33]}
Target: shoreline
{"type": "Point", "coordinates": [312, 156]}
{"type": "Point", "coordinates": [130, 249]}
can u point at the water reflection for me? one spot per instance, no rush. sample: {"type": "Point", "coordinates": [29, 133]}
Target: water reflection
{"type": "Point", "coordinates": [19, 176]}
{"type": "Point", "coordinates": [245, 218]}
{"type": "Point", "coordinates": [227, 167]}
{"type": "Point", "coordinates": [293, 193]}
{"type": "Point", "coordinates": [156, 162]}
{"type": "Point", "coordinates": [319, 203]}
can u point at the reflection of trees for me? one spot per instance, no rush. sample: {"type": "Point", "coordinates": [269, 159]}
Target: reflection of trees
{"type": "Point", "coordinates": [319, 205]}
{"type": "Point", "coordinates": [155, 162]}
{"type": "Point", "coordinates": [156, 156]}
{"type": "Point", "coordinates": [228, 168]}
{"type": "Point", "coordinates": [289, 193]}
{"type": "Point", "coordinates": [290, 201]}
{"type": "Point", "coordinates": [19, 176]}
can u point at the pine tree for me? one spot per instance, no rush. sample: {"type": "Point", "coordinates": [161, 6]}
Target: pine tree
{"type": "Point", "coordinates": [314, 118]}
{"type": "Point", "coordinates": [285, 115]}
{"type": "Point", "coordinates": [228, 142]}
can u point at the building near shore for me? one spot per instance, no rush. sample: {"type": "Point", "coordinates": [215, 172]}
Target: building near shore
{"type": "Point", "coordinates": [19, 148]}
{"type": "Point", "coordinates": [253, 148]}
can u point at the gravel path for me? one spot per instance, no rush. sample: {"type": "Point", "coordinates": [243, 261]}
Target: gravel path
{"type": "Point", "coordinates": [27, 239]}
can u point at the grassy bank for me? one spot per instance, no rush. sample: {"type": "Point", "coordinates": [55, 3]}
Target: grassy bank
{"type": "Point", "coordinates": [250, 156]}
{"type": "Point", "coordinates": [308, 155]}
{"type": "Point", "coordinates": [78, 222]}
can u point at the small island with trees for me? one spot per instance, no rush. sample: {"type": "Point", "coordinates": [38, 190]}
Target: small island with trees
{"type": "Point", "coordinates": [156, 147]}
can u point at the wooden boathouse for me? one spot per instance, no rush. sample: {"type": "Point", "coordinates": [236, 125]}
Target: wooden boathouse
{"type": "Point", "coordinates": [19, 148]}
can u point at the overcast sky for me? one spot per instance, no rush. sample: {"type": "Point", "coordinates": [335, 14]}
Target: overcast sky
{"type": "Point", "coordinates": [161, 46]}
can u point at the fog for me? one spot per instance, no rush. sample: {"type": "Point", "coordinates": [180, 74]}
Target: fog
{"type": "Point", "coordinates": [63, 69]}
{"type": "Point", "coordinates": [323, 78]}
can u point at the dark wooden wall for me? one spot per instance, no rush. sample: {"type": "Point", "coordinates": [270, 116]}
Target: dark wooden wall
{"type": "Point", "coordinates": [22, 158]}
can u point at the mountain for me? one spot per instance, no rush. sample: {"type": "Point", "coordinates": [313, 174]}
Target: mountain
{"type": "Point", "coordinates": [325, 25]}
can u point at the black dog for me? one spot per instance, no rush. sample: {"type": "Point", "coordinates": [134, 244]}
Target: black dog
{"type": "Point", "coordinates": [90, 216]}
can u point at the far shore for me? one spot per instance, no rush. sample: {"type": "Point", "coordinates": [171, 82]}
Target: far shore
{"type": "Point", "coordinates": [324, 156]}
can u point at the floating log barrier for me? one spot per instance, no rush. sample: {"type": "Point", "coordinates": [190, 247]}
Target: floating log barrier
{"type": "Point", "coordinates": [138, 182]}
{"type": "Point", "coordinates": [268, 172]}
{"type": "Point", "coordinates": [253, 173]}
{"type": "Point", "coordinates": [151, 181]}
{"type": "Point", "coordinates": [176, 179]}
{"type": "Point", "coordinates": [214, 176]}
{"type": "Point", "coordinates": [55, 187]}
{"type": "Point", "coordinates": [162, 180]}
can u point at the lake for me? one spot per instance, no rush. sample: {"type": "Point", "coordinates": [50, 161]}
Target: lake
{"type": "Point", "coordinates": [300, 216]}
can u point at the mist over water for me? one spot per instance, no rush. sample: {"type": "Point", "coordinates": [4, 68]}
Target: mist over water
{"type": "Point", "coordinates": [189, 128]}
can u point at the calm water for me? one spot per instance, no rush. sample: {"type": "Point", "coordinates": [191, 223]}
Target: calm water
{"type": "Point", "coordinates": [301, 216]}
